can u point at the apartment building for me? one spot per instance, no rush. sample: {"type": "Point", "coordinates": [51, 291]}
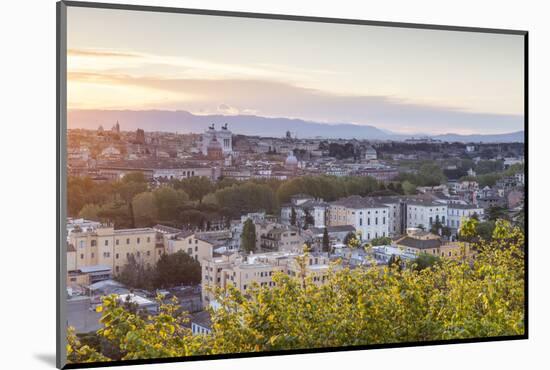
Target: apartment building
{"type": "Point", "coordinates": [457, 213]}
{"type": "Point", "coordinates": [242, 272]}
{"type": "Point", "coordinates": [187, 241]}
{"type": "Point", "coordinates": [304, 207]}
{"type": "Point", "coordinates": [106, 246]}
{"type": "Point", "coordinates": [396, 213]}
{"type": "Point", "coordinates": [369, 217]}
{"type": "Point", "coordinates": [418, 242]}
{"type": "Point", "coordinates": [425, 213]}
{"type": "Point", "coordinates": [336, 234]}
{"type": "Point", "coordinates": [284, 239]}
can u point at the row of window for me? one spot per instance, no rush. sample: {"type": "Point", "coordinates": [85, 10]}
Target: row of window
{"type": "Point", "coordinates": [431, 209]}
{"type": "Point", "coordinates": [376, 235]}
{"type": "Point", "coordinates": [108, 254]}
{"type": "Point", "coordinates": [93, 243]}
{"type": "Point", "coordinates": [375, 221]}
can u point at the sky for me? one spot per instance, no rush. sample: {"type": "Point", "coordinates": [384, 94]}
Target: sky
{"type": "Point", "coordinates": [397, 79]}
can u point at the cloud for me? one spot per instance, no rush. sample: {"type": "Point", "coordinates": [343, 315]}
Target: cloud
{"type": "Point", "coordinates": [227, 109]}
{"type": "Point", "coordinates": [277, 99]}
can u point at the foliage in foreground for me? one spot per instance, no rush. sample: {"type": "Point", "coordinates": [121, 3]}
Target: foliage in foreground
{"type": "Point", "coordinates": [450, 300]}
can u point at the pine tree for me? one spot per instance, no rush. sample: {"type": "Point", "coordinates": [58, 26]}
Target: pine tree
{"type": "Point", "coordinates": [326, 241]}
{"type": "Point", "coordinates": [248, 237]}
{"type": "Point", "coordinates": [293, 217]}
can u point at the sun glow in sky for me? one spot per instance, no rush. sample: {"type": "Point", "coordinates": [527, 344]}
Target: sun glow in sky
{"type": "Point", "coordinates": [398, 79]}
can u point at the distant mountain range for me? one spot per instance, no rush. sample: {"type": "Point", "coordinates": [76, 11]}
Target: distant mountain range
{"type": "Point", "coordinates": [185, 122]}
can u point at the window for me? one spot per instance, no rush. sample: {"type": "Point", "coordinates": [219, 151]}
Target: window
{"type": "Point", "coordinates": [92, 254]}
{"type": "Point", "coordinates": [148, 239]}
{"type": "Point", "coordinates": [196, 249]}
{"type": "Point", "coordinates": [196, 241]}
{"type": "Point", "coordinates": [116, 242]}
{"type": "Point", "coordinates": [82, 256]}
{"type": "Point", "coordinates": [127, 240]}
{"type": "Point", "coordinates": [190, 251]}
{"type": "Point", "coordinates": [360, 222]}
{"type": "Point", "coordinates": [106, 254]}
{"type": "Point", "coordinates": [93, 243]}
{"type": "Point", "coordinates": [82, 244]}
{"type": "Point", "coordinates": [106, 242]}
{"type": "Point", "coordinates": [376, 220]}
{"type": "Point", "coordinates": [138, 240]}
{"type": "Point", "coordinates": [190, 241]}
{"type": "Point", "coordinates": [117, 268]}
{"type": "Point", "coordinates": [384, 220]}
{"type": "Point", "coordinates": [138, 254]}
{"type": "Point", "coordinates": [148, 253]}
{"type": "Point", "coordinates": [116, 256]}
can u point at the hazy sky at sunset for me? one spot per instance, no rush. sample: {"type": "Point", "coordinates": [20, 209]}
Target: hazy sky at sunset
{"type": "Point", "coordinates": [398, 79]}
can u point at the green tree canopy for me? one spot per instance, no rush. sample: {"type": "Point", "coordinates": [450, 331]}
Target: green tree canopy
{"type": "Point", "coordinates": [144, 208]}
{"type": "Point", "coordinates": [196, 187]}
{"type": "Point", "coordinates": [168, 200]}
{"type": "Point", "coordinates": [177, 269]}
{"type": "Point", "coordinates": [383, 240]}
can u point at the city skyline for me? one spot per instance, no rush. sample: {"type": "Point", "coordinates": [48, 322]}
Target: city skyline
{"type": "Point", "coordinates": [401, 80]}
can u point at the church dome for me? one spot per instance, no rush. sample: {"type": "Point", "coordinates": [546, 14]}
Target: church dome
{"type": "Point", "coordinates": [214, 149]}
{"type": "Point", "coordinates": [214, 144]}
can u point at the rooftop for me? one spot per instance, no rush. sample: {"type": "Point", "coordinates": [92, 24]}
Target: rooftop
{"type": "Point", "coordinates": [95, 268]}
{"type": "Point", "coordinates": [166, 229]}
{"type": "Point", "coordinates": [202, 319]}
{"type": "Point", "coordinates": [425, 203]}
{"type": "Point", "coordinates": [333, 229]}
{"type": "Point", "coordinates": [408, 241]}
{"type": "Point", "coordinates": [358, 202]}
{"type": "Point", "coordinates": [463, 206]}
{"type": "Point", "coordinates": [143, 230]}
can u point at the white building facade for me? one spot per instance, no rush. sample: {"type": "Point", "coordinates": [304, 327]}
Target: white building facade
{"type": "Point", "coordinates": [224, 136]}
{"type": "Point", "coordinates": [369, 217]}
{"type": "Point", "coordinates": [458, 213]}
{"type": "Point", "coordinates": [426, 213]}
